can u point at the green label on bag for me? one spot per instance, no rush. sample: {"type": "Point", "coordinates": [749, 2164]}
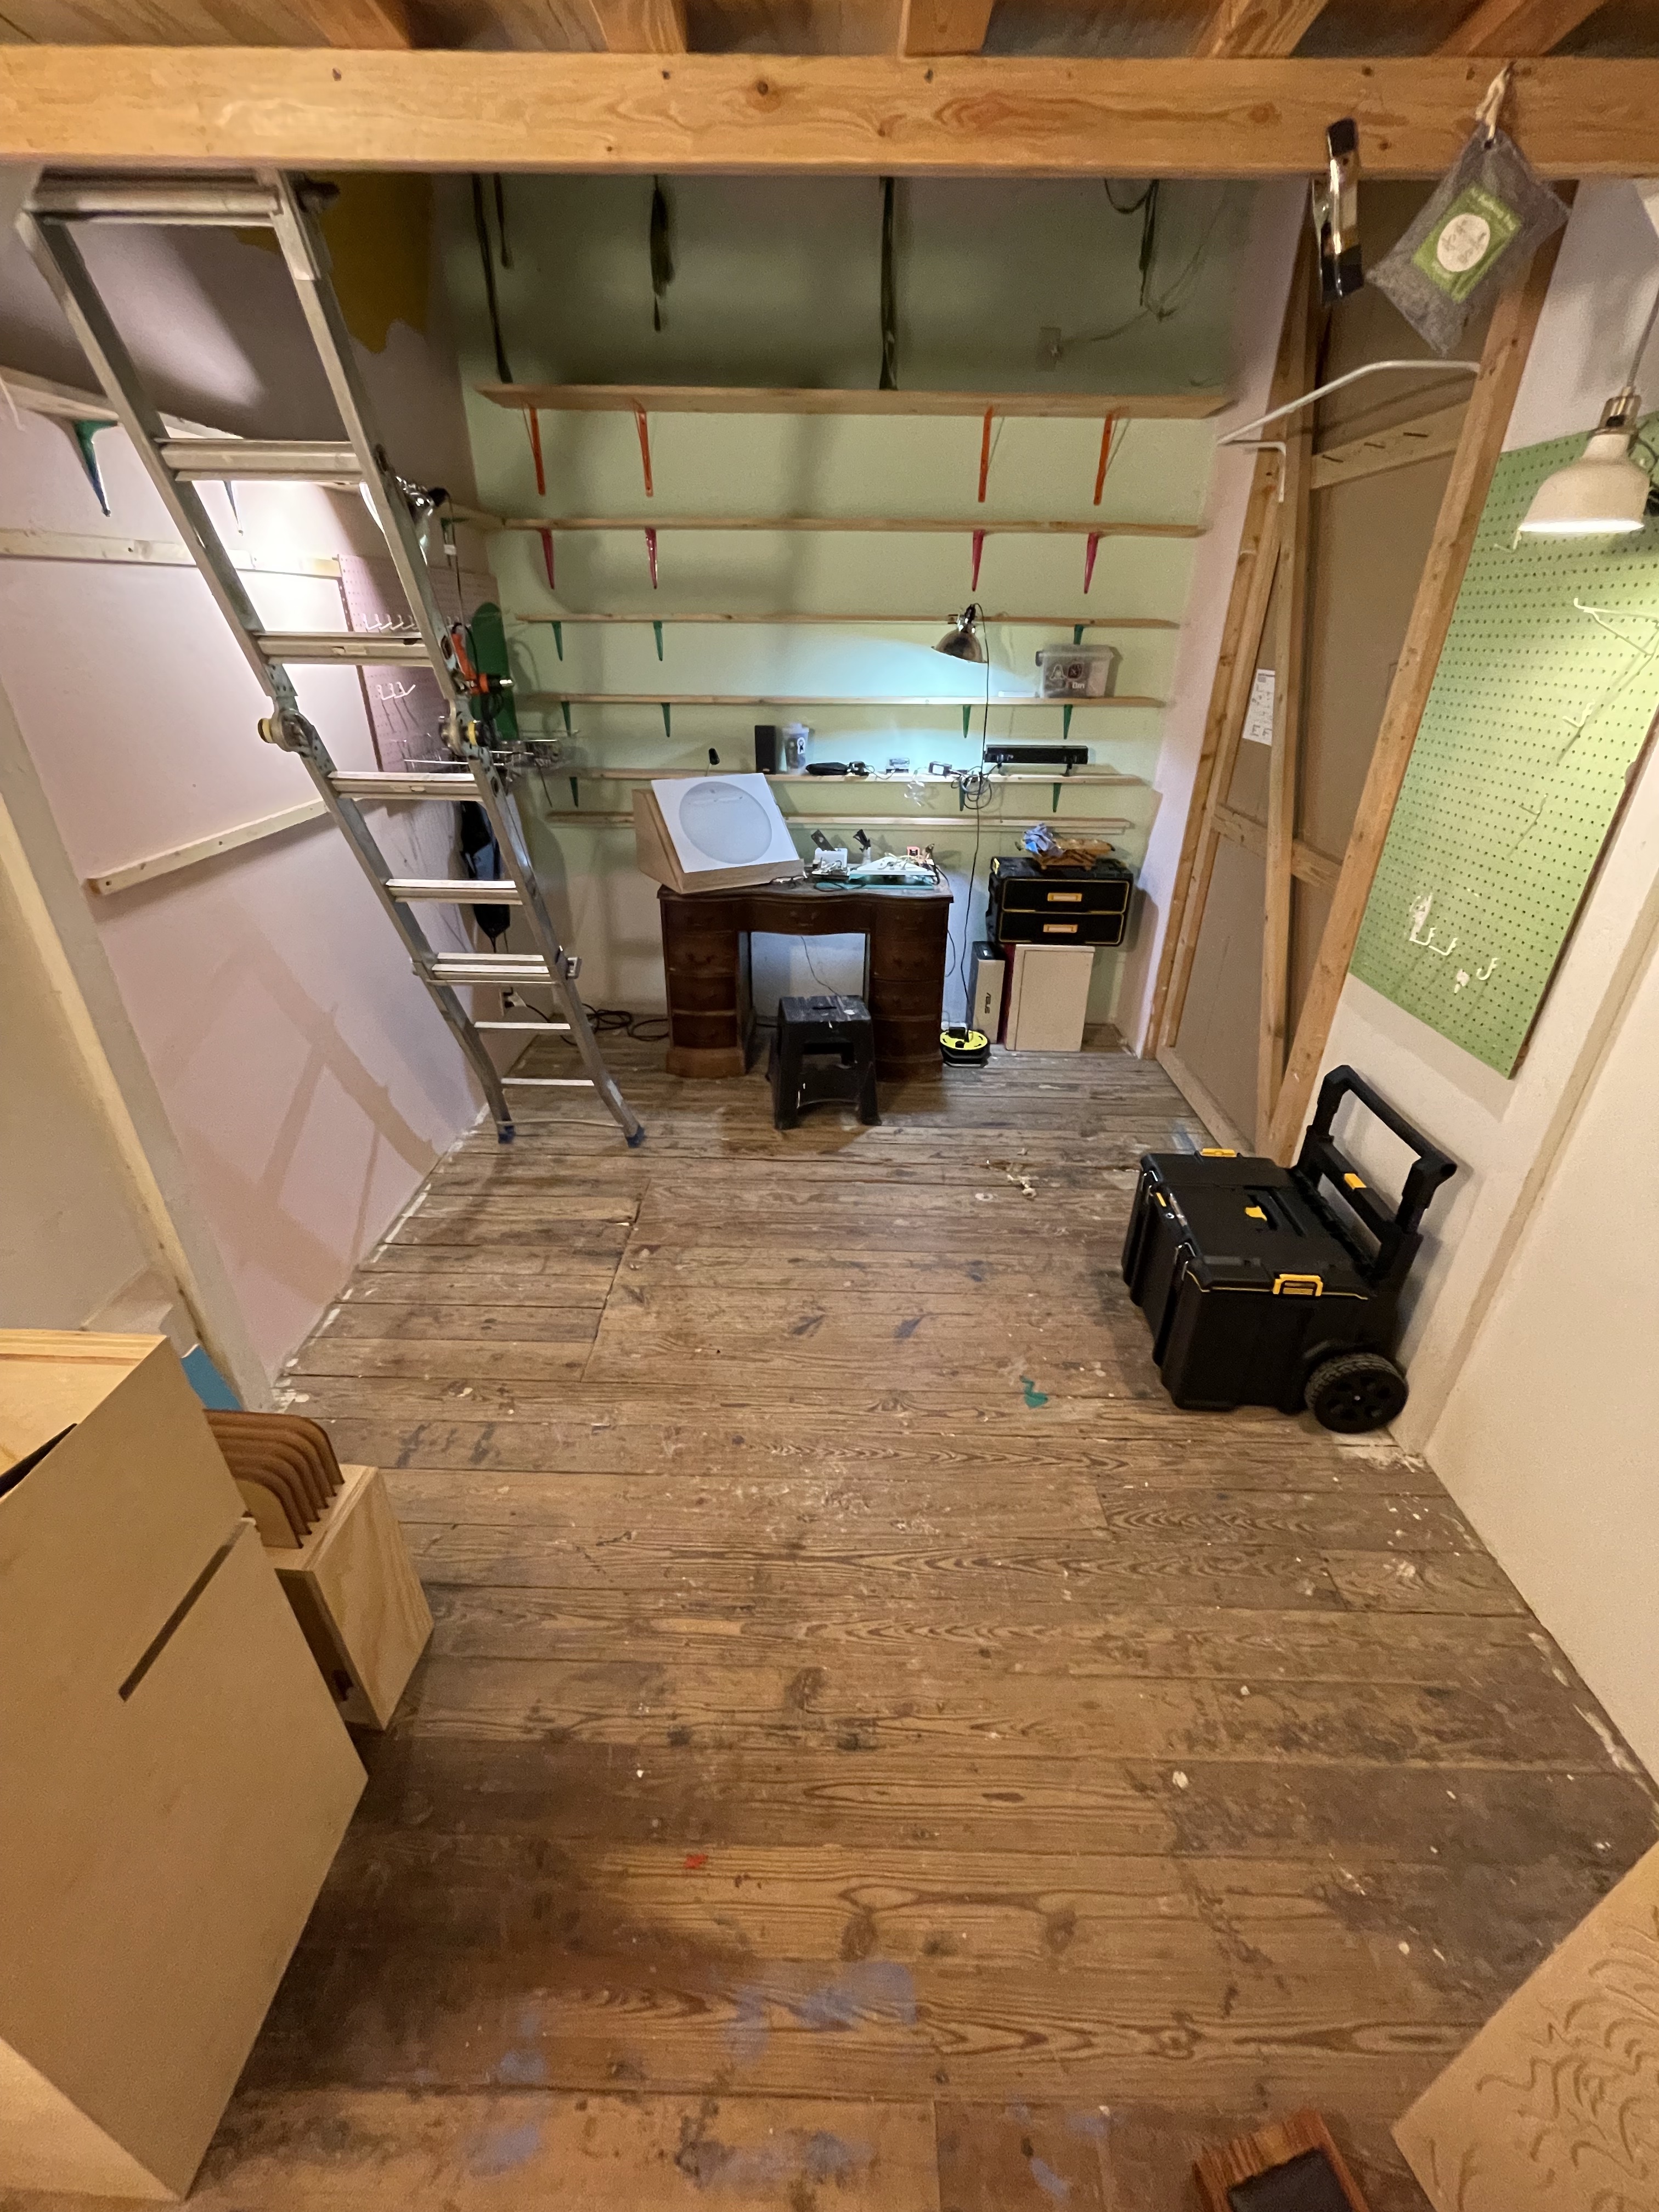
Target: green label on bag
{"type": "Point", "coordinates": [1465, 241]}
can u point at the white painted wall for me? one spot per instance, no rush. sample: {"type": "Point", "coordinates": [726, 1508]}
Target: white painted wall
{"type": "Point", "coordinates": [1550, 1437]}
{"type": "Point", "coordinates": [308, 1080]}
{"type": "Point", "coordinates": [1535, 1313]}
{"type": "Point", "coordinates": [1497, 1129]}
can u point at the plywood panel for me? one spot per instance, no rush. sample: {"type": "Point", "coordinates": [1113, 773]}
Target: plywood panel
{"type": "Point", "coordinates": [1218, 1039]}
{"type": "Point", "coordinates": [1554, 2106]}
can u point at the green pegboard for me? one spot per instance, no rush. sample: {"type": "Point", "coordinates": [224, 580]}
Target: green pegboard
{"type": "Point", "coordinates": [1543, 698]}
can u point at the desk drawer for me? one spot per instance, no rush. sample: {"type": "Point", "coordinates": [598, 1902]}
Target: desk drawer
{"type": "Point", "coordinates": [1061, 926]}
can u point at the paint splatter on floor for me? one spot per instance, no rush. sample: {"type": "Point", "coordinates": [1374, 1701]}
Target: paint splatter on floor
{"type": "Point", "coordinates": [1034, 1397]}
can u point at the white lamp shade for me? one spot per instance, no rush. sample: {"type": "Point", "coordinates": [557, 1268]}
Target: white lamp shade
{"type": "Point", "coordinates": [1602, 493]}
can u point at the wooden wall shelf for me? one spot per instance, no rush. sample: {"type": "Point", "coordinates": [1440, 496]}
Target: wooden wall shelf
{"type": "Point", "coordinates": [865, 525]}
{"type": "Point", "coordinates": [605, 817]}
{"type": "Point", "coordinates": [760, 399]}
{"type": "Point", "coordinates": [774, 699]}
{"type": "Point", "coordinates": [919, 621]}
{"type": "Point", "coordinates": [574, 769]}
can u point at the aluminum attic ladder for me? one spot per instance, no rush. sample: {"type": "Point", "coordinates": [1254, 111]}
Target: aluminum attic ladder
{"type": "Point", "coordinates": [176, 466]}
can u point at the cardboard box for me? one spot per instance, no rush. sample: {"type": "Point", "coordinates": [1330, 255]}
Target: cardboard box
{"type": "Point", "coordinates": [176, 1777]}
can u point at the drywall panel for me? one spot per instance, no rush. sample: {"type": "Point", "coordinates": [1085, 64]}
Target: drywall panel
{"type": "Point", "coordinates": [1504, 1132]}
{"type": "Point", "coordinates": [308, 1080]}
{"type": "Point", "coordinates": [1547, 1439]}
{"type": "Point", "coordinates": [68, 1239]}
{"type": "Point", "coordinates": [1222, 1018]}
{"type": "Point", "coordinates": [736, 312]}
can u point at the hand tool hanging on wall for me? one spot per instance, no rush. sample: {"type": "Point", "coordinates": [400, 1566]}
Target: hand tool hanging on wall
{"type": "Point", "coordinates": [1336, 213]}
{"type": "Point", "coordinates": [661, 246]}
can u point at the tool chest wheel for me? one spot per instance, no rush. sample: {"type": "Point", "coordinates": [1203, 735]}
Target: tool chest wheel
{"type": "Point", "coordinates": [1358, 1391]}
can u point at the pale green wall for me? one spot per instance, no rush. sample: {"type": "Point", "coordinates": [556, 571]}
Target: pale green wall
{"type": "Point", "coordinates": [775, 283]}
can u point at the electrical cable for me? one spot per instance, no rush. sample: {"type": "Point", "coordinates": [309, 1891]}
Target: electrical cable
{"type": "Point", "coordinates": [889, 303]}
{"type": "Point", "coordinates": [1175, 294]}
{"type": "Point", "coordinates": [481, 224]}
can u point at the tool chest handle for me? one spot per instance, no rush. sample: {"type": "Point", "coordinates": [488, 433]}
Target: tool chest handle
{"type": "Point", "coordinates": [1320, 1154]}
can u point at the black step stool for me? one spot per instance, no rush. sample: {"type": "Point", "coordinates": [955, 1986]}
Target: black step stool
{"type": "Point", "coordinates": [824, 1052]}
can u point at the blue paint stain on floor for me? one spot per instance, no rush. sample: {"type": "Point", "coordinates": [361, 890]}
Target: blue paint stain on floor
{"type": "Point", "coordinates": [520, 2069]}
{"type": "Point", "coordinates": [870, 1989]}
{"type": "Point", "coordinates": [1034, 1397]}
{"type": "Point", "coordinates": [1051, 2183]}
{"type": "Point", "coordinates": [500, 2150]}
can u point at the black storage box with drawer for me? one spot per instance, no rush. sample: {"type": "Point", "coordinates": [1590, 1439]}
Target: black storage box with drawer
{"type": "Point", "coordinates": [1030, 905]}
{"type": "Point", "coordinates": [1260, 1291]}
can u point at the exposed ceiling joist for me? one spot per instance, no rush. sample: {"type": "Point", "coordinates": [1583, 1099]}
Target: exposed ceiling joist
{"type": "Point", "coordinates": [863, 115]}
{"type": "Point", "coordinates": [360, 23]}
{"type": "Point", "coordinates": [943, 27]}
{"type": "Point", "coordinates": [1503, 28]}
{"type": "Point", "coordinates": [641, 26]}
{"type": "Point", "coordinates": [1237, 28]}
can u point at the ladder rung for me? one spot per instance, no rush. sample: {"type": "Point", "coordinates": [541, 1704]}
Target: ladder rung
{"type": "Point", "coordinates": [547, 1082]}
{"type": "Point", "coordinates": [487, 968]}
{"type": "Point", "coordinates": [389, 783]}
{"type": "Point", "coordinates": [245, 460]}
{"type": "Point", "coordinates": [209, 201]}
{"type": "Point", "coordinates": [341, 645]}
{"type": "Point", "coordinates": [533, 1028]}
{"type": "Point", "coordinates": [464, 891]}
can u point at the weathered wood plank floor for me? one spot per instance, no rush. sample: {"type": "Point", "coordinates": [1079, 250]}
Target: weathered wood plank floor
{"type": "Point", "coordinates": [875, 1751]}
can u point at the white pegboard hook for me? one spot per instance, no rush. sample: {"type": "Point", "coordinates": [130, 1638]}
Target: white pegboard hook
{"type": "Point", "coordinates": [1491, 107]}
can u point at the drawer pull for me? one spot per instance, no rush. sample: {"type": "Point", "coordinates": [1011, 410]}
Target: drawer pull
{"type": "Point", "coordinates": [1060, 929]}
{"type": "Point", "coordinates": [1063, 899]}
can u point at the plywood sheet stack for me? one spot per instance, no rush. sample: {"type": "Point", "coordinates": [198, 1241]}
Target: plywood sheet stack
{"type": "Point", "coordinates": [177, 1777]}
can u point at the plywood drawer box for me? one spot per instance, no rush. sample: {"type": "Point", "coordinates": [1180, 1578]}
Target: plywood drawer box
{"type": "Point", "coordinates": [176, 1780]}
{"type": "Point", "coordinates": [356, 1597]}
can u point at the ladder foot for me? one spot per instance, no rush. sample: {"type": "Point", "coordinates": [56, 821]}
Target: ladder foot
{"type": "Point", "coordinates": [505, 1133]}
{"type": "Point", "coordinates": [636, 1137]}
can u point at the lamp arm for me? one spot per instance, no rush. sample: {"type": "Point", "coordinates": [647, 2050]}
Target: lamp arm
{"type": "Point", "coordinates": [1370, 368]}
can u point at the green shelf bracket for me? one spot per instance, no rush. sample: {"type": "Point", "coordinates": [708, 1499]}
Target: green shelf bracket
{"type": "Point", "coordinates": [1077, 633]}
{"type": "Point", "coordinates": [1054, 804]}
{"type": "Point", "coordinates": [575, 795]}
{"type": "Point", "coordinates": [564, 709]}
{"type": "Point", "coordinates": [1065, 724]}
{"type": "Point", "coordinates": [667, 720]}
{"type": "Point", "coordinates": [558, 639]}
{"type": "Point", "coordinates": [656, 632]}
{"type": "Point", "coordinates": [967, 717]}
{"type": "Point", "coordinates": [83, 433]}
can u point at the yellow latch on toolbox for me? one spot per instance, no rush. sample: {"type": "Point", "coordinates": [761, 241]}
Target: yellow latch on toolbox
{"type": "Point", "coordinates": [1298, 1287]}
{"type": "Point", "coordinates": [1255, 1213]}
{"type": "Point", "coordinates": [1354, 1182]}
{"type": "Point", "coordinates": [1217, 1152]}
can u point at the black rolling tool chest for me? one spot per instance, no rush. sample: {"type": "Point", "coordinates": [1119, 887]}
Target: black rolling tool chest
{"type": "Point", "coordinates": [1260, 1289]}
{"type": "Point", "coordinates": [1030, 905]}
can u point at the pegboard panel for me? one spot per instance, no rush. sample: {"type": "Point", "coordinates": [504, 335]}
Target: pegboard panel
{"type": "Point", "coordinates": [1543, 697]}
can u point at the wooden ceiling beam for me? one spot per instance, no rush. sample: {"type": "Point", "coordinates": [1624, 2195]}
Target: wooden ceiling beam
{"type": "Point", "coordinates": [382, 24]}
{"type": "Point", "coordinates": [1504, 28]}
{"type": "Point", "coordinates": [943, 27]}
{"type": "Point", "coordinates": [641, 26]}
{"type": "Point", "coordinates": [1235, 29]}
{"type": "Point", "coordinates": [862, 115]}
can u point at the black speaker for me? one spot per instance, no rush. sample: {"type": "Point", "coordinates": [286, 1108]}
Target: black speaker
{"type": "Point", "coordinates": [766, 748]}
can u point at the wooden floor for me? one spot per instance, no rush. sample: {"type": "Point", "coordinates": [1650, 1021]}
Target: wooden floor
{"type": "Point", "coordinates": [876, 1753]}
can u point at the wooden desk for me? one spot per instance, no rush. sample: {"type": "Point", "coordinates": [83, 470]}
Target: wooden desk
{"type": "Point", "coordinates": [908, 931]}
